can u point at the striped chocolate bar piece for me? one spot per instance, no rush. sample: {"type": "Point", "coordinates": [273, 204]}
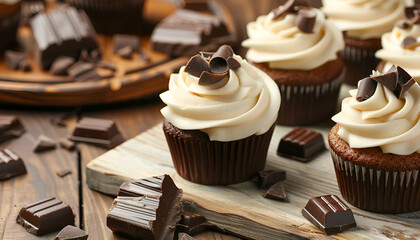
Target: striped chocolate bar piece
{"type": "Point", "coordinates": [45, 216]}
{"type": "Point", "coordinates": [151, 187]}
{"type": "Point", "coordinates": [301, 144]}
{"type": "Point", "coordinates": [11, 164]}
{"type": "Point", "coordinates": [329, 214]}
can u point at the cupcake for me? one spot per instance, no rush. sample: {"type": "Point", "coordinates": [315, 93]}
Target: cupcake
{"type": "Point", "coordinates": [297, 47]}
{"type": "Point", "coordinates": [363, 23]}
{"type": "Point", "coordinates": [219, 118]}
{"type": "Point", "coordinates": [9, 20]}
{"type": "Point", "coordinates": [401, 46]}
{"type": "Point", "coordinates": [375, 144]}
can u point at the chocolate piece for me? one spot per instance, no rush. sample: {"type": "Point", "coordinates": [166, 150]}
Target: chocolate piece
{"type": "Point", "coordinates": [208, 78]}
{"type": "Point", "coordinates": [405, 81]}
{"type": "Point", "coordinates": [67, 144]}
{"type": "Point", "coordinates": [409, 43]}
{"type": "Point", "coordinates": [10, 127]}
{"type": "Point", "coordinates": [25, 66]}
{"type": "Point", "coordinates": [97, 131]}
{"type": "Point", "coordinates": [197, 65]}
{"type": "Point", "coordinates": [184, 236]}
{"type": "Point", "coordinates": [291, 6]}
{"type": "Point", "coordinates": [329, 214]}
{"type": "Point", "coordinates": [125, 52]}
{"type": "Point", "coordinates": [233, 63]}
{"type": "Point", "coordinates": [207, 55]}
{"type": "Point", "coordinates": [13, 59]}
{"type": "Point", "coordinates": [61, 65]}
{"type": "Point", "coordinates": [193, 224]}
{"type": "Point", "coordinates": [276, 192]}
{"type": "Point", "coordinates": [45, 216]}
{"type": "Point", "coordinates": [218, 62]}
{"type": "Point", "coordinates": [63, 173]}
{"type": "Point", "coordinates": [413, 14]}
{"type": "Point", "coordinates": [123, 41]}
{"type": "Point", "coordinates": [151, 186]}
{"type": "Point", "coordinates": [11, 164]}
{"type": "Point", "coordinates": [305, 20]}
{"type": "Point", "coordinates": [267, 178]}
{"type": "Point", "coordinates": [185, 33]}
{"type": "Point", "coordinates": [301, 144]}
{"type": "Point", "coordinates": [367, 88]}
{"type": "Point", "coordinates": [388, 79]}
{"type": "Point", "coordinates": [64, 31]}
{"type": "Point", "coordinates": [147, 217]}
{"type": "Point", "coordinates": [71, 233]}
{"type": "Point", "coordinates": [403, 23]}
{"type": "Point", "coordinates": [80, 69]}
{"type": "Point", "coordinates": [44, 143]}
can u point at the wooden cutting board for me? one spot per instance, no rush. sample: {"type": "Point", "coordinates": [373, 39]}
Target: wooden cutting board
{"type": "Point", "coordinates": [240, 209]}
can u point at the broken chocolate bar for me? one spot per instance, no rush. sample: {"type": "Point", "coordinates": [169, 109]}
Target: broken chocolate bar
{"type": "Point", "coordinates": [186, 33]}
{"type": "Point", "coordinates": [301, 144]}
{"type": "Point", "coordinates": [97, 131]}
{"type": "Point", "coordinates": [276, 192]}
{"type": "Point", "coordinates": [11, 164]}
{"type": "Point", "coordinates": [151, 186]}
{"type": "Point", "coordinates": [267, 178]}
{"type": "Point", "coordinates": [44, 143]}
{"type": "Point", "coordinates": [10, 127]}
{"type": "Point", "coordinates": [71, 233]}
{"type": "Point", "coordinates": [147, 217]}
{"type": "Point", "coordinates": [64, 31]}
{"type": "Point", "coordinates": [45, 216]}
{"type": "Point", "coordinates": [329, 214]}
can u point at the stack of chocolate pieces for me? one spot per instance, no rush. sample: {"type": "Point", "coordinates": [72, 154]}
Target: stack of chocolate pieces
{"type": "Point", "coordinates": [272, 180]}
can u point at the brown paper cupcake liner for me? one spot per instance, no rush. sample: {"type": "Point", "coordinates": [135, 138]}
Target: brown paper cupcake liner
{"type": "Point", "coordinates": [8, 28]}
{"type": "Point", "coordinates": [218, 163]}
{"type": "Point", "coordinates": [377, 190]}
{"type": "Point", "coordinates": [305, 105]}
{"type": "Point", "coordinates": [359, 63]}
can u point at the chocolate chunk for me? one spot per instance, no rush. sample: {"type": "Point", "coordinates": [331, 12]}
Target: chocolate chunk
{"type": "Point", "coordinates": [405, 81]}
{"type": "Point", "coordinates": [67, 143]}
{"type": "Point", "coordinates": [305, 20]}
{"type": "Point", "coordinates": [403, 23]}
{"type": "Point", "coordinates": [367, 88]}
{"type": "Point", "coordinates": [301, 144]}
{"type": "Point", "coordinates": [409, 43]}
{"type": "Point", "coordinates": [388, 79]}
{"type": "Point", "coordinates": [329, 214]}
{"type": "Point", "coordinates": [125, 52]}
{"type": "Point", "coordinates": [63, 173]}
{"type": "Point", "coordinates": [197, 65]}
{"type": "Point", "coordinates": [218, 62]}
{"type": "Point", "coordinates": [10, 127]}
{"type": "Point", "coordinates": [184, 236]}
{"type": "Point", "coordinates": [80, 69]}
{"type": "Point", "coordinates": [97, 131]}
{"type": "Point", "coordinates": [71, 233]}
{"type": "Point", "coordinates": [44, 143]}
{"type": "Point", "coordinates": [233, 63]}
{"type": "Point", "coordinates": [64, 31]}
{"type": "Point", "coordinates": [291, 6]}
{"type": "Point", "coordinates": [61, 65]}
{"type": "Point", "coordinates": [13, 59]}
{"type": "Point", "coordinates": [45, 216]}
{"type": "Point", "coordinates": [151, 186]}
{"type": "Point", "coordinates": [11, 165]}
{"type": "Point", "coordinates": [193, 224]}
{"type": "Point", "coordinates": [147, 217]}
{"type": "Point", "coordinates": [267, 178]}
{"type": "Point", "coordinates": [123, 41]}
{"type": "Point", "coordinates": [208, 78]}
{"type": "Point", "coordinates": [276, 192]}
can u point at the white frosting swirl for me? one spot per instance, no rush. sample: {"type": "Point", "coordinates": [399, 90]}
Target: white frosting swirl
{"type": "Point", "coordinates": [365, 19]}
{"type": "Point", "coordinates": [280, 43]}
{"type": "Point", "coordinates": [382, 121]}
{"type": "Point", "coordinates": [393, 52]}
{"type": "Point", "coordinates": [246, 102]}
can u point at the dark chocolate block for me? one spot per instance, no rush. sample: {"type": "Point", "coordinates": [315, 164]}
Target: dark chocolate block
{"type": "Point", "coordinates": [329, 214]}
{"type": "Point", "coordinates": [10, 127]}
{"type": "Point", "coordinates": [301, 144]}
{"type": "Point", "coordinates": [151, 186]}
{"type": "Point", "coordinates": [276, 192]}
{"type": "Point", "coordinates": [71, 233]}
{"type": "Point", "coordinates": [61, 32]}
{"type": "Point", "coordinates": [44, 143]}
{"type": "Point", "coordinates": [11, 164]}
{"type": "Point", "coordinates": [147, 217]}
{"type": "Point", "coordinates": [267, 178]}
{"type": "Point", "coordinates": [45, 216]}
{"type": "Point", "coordinates": [185, 33]}
{"type": "Point", "coordinates": [97, 131]}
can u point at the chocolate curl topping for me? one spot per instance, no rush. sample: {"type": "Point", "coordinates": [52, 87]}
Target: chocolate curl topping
{"type": "Point", "coordinates": [388, 79]}
{"type": "Point", "coordinates": [196, 65]}
{"type": "Point", "coordinates": [233, 64]}
{"type": "Point", "coordinates": [405, 81]}
{"type": "Point", "coordinates": [208, 78]}
{"type": "Point", "coordinates": [218, 62]}
{"type": "Point", "coordinates": [291, 6]}
{"type": "Point", "coordinates": [207, 55]}
{"type": "Point", "coordinates": [305, 20]}
{"type": "Point", "coordinates": [413, 14]}
{"type": "Point", "coordinates": [367, 88]}
{"type": "Point", "coordinates": [409, 43]}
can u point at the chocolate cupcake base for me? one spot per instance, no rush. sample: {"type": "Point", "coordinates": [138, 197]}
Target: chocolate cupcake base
{"type": "Point", "coordinates": [8, 29]}
{"type": "Point", "coordinates": [200, 160]}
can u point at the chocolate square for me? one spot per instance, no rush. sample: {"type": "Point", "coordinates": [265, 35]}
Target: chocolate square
{"type": "Point", "coordinates": [11, 165]}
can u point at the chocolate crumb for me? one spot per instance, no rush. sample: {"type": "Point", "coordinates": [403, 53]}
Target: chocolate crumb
{"type": "Point", "coordinates": [63, 173]}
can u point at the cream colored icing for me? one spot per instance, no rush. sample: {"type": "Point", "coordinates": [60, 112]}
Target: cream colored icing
{"type": "Point", "coordinates": [365, 19]}
{"type": "Point", "coordinates": [382, 121]}
{"type": "Point", "coordinates": [280, 43]}
{"type": "Point", "coordinates": [245, 103]}
{"type": "Point", "coordinates": [393, 53]}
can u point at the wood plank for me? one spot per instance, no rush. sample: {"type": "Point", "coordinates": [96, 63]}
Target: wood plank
{"type": "Point", "coordinates": [41, 180]}
{"type": "Point", "coordinates": [147, 155]}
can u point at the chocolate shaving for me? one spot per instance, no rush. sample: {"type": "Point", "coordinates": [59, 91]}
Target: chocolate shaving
{"type": "Point", "coordinates": [405, 81]}
{"type": "Point", "coordinates": [291, 6]}
{"type": "Point", "coordinates": [63, 173]}
{"type": "Point", "coordinates": [208, 78]}
{"type": "Point", "coordinates": [197, 65]}
{"type": "Point", "coordinates": [207, 55]}
{"type": "Point", "coordinates": [367, 88]}
{"type": "Point", "coordinates": [276, 192]}
{"type": "Point", "coordinates": [233, 63]}
{"type": "Point", "coordinates": [409, 43]}
{"type": "Point", "coordinates": [305, 20]}
{"type": "Point", "coordinates": [389, 79]}
{"type": "Point", "coordinates": [218, 62]}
